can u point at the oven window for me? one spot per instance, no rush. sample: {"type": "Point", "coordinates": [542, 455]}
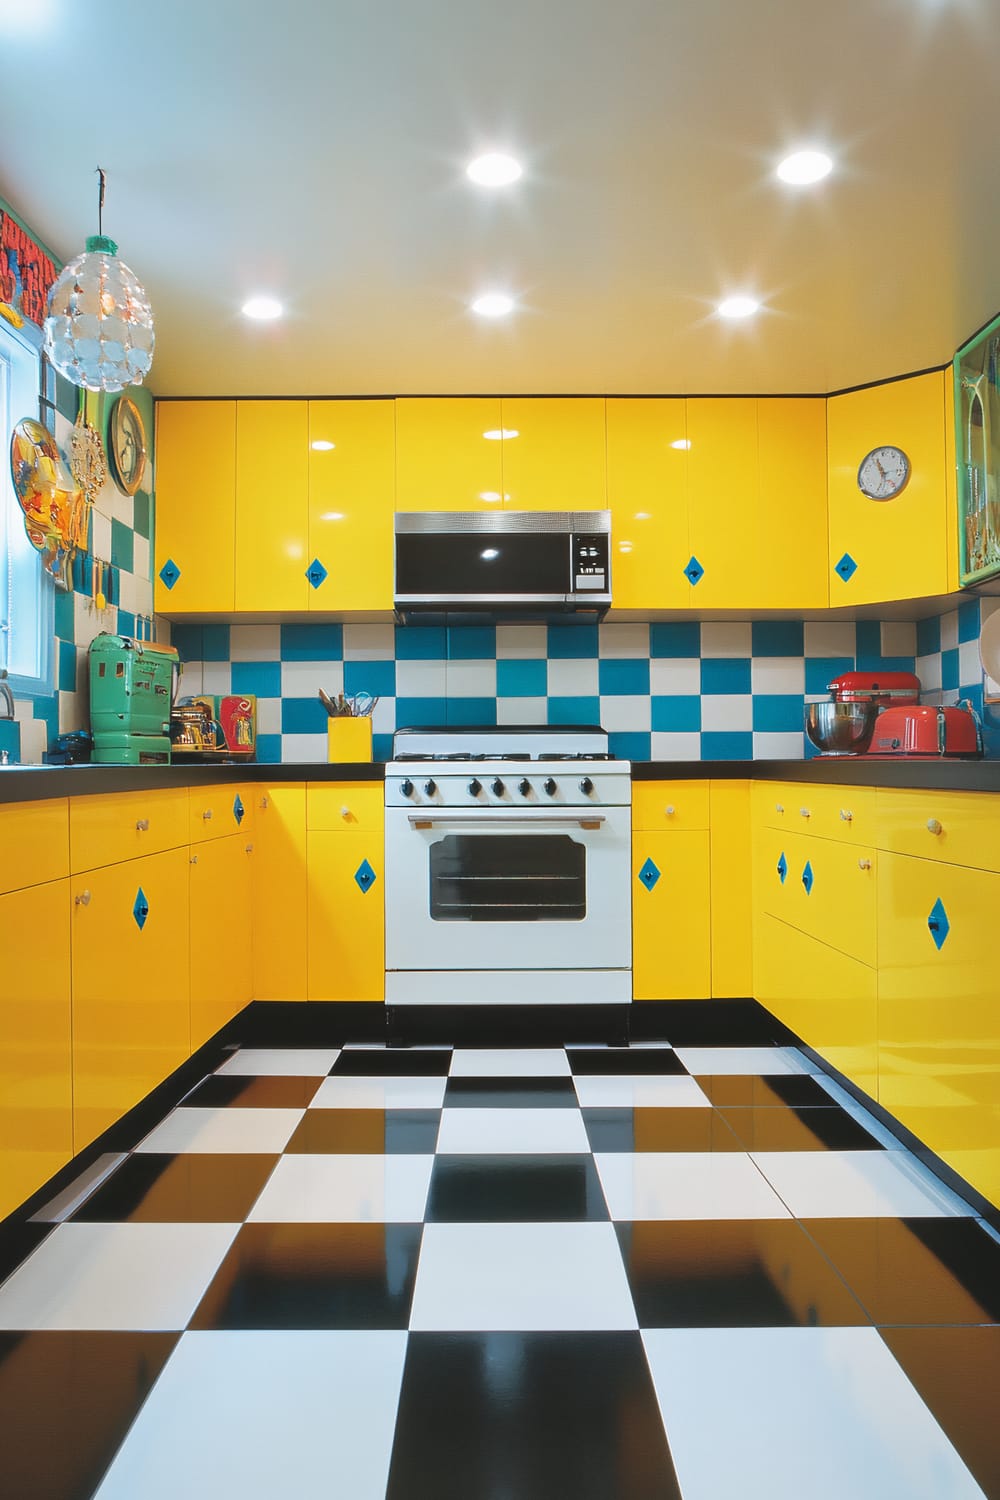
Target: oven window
{"type": "Point", "coordinates": [509, 877]}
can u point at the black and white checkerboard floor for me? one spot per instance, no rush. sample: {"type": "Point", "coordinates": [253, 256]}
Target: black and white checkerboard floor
{"type": "Point", "coordinates": [540, 1274]}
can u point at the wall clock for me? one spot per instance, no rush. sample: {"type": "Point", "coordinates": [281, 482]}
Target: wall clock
{"type": "Point", "coordinates": [127, 444]}
{"type": "Point", "coordinates": [883, 473]}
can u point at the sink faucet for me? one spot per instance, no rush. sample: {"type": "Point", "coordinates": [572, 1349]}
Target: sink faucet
{"type": "Point", "coordinates": [6, 696]}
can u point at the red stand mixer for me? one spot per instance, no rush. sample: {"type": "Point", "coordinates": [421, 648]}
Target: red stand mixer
{"type": "Point", "coordinates": [879, 713]}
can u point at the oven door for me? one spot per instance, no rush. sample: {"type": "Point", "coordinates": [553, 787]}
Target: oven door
{"type": "Point", "coordinates": [496, 888]}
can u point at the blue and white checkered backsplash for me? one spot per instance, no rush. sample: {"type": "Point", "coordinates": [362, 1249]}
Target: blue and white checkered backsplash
{"type": "Point", "coordinates": [726, 690]}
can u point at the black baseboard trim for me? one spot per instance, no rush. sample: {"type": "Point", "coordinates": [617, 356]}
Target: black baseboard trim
{"type": "Point", "coordinates": [700, 1023]}
{"type": "Point", "coordinates": [310, 1023]}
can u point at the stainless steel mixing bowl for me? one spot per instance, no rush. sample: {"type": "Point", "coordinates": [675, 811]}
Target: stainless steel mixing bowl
{"type": "Point", "coordinates": [841, 728]}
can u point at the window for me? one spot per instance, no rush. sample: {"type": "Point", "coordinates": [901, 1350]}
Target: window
{"type": "Point", "coordinates": [26, 590]}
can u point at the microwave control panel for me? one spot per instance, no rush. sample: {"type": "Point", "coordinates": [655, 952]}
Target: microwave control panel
{"type": "Point", "coordinates": [590, 562]}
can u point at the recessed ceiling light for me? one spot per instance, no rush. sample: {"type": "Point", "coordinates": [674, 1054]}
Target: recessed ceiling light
{"type": "Point", "coordinates": [322, 445]}
{"type": "Point", "coordinates": [682, 442]}
{"type": "Point", "coordinates": [262, 308]}
{"type": "Point", "coordinates": [737, 307]}
{"type": "Point", "coordinates": [494, 169]}
{"type": "Point", "coordinates": [495, 434]}
{"type": "Point", "coordinates": [493, 305]}
{"type": "Point", "coordinates": [805, 166]}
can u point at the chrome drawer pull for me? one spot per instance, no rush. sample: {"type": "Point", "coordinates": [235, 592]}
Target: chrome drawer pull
{"type": "Point", "coordinates": [933, 826]}
{"type": "Point", "coordinates": [193, 860]}
{"type": "Point", "coordinates": [583, 819]}
{"type": "Point", "coordinates": [142, 825]}
{"type": "Point", "coordinates": [864, 864]}
{"type": "Point", "coordinates": [83, 899]}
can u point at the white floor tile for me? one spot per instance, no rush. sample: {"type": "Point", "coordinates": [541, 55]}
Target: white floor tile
{"type": "Point", "coordinates": [115, 1276]}
{"type": "Point", "coordinates": [282, 1062]}
{"type": "Point", "coordinates": [345, 1190]}
{"type": "Point", "coordinates": [509, 1062]}
{"type": "Point", "coordinates": [379, 1093]}
{"type": "Point", "coordinates": [763, 1061]}
{"type": "Point", "coordinates": [686, 1185]}
{"type": "Point", "coordinates": [481, 1131]}
{"type": "Point", "coordinates": [776, 1413]}
{"type": "Point", "coordinates": [259, 1415]}
{"type": "Point", "coordinates": [224, 1130]}
{"type": "Point", "coordinates": [640, 1090]}
{"type": "Point", "coordinates": [857, 1185]}
{"type": "Point", "coordinates": [520, 1277]}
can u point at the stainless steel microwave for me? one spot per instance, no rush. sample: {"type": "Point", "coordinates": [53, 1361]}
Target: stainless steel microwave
{"type": "Point", "coordinates": [513, 565]}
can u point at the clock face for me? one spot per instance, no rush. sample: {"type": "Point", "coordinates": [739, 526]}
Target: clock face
{"type": "Point", "coordinates": [883, 472]}
{"type": "Point", "coordinates": [128, 444]}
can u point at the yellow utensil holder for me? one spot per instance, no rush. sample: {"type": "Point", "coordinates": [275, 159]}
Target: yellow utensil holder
{"type": "Point", "coordinates": [349, 739]}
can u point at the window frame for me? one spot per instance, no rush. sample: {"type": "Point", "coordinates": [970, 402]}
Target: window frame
{"type": "Point", "coordinates": [27, 592]}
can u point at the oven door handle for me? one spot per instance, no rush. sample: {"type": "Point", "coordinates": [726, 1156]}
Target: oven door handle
{"type": "Point", "coordinates": [582, 819]}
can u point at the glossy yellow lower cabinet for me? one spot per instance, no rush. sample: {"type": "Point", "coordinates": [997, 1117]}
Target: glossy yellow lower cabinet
{"type": "Point", "coordinates": [961, 828]}
{"type": "Point", "coordinates": [106, 829]}
{"type": "Point", "coordinates": [671, 916]}
{"type": "Point", "coordinates": [279, 893]}
{"type": "Point", "coordinates": [673, 805]}
{"type": "Point", "coordinates": [732, 908]}
{"type": "Point", "coordinates": [346, 917]}
{"type": "Point", "coordinates": [826, 997]}
{"type": "Point", "coordinates": [217, 811]}
{"type": "Point", "coordinates": [346, 807]}
{"type": "Point", "coordinates": [821, 887]}
{"type": "Point", "coordinates": [36, 1089]}
{"type": "Point", "coordinates": [34, 843]}
{"type": "Point", "coordinates": [844, 813]}
{"type": "Point", "coordinates": [939, 1020]}
{"type": "Point", "coordinates": [131, 946]}
{"type": "Point", "coordinates": [221, 937]}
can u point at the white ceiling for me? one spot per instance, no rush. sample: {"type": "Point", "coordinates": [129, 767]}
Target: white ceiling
{"type": "Point", "coordinates": [315, 149]}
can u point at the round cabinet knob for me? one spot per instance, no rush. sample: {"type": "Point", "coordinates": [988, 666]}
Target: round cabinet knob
{"type": "Point", "coordinates": [207, 814]}
{"type": "Point", "coordinates": [142, 825]}
{"type": "Point", "coordinates": [524, 786]}
{"type": "Point", "coordinates": [669, 810]}
{"type": "Point", "coordinates": [193, 860]}
{"type": "Point", "coordinates": [496, 787]}
{"type": "Point", "coordinates": [933, 826]}
{"type": "Point", "coordinates": [846, 815]}
{"type": "Point", "coordinates": [864, 864]}
{"type": "Point", "coordinates": [778, 807]}
{"type": "Point", "coordinates": [345, 812]}
{"type": "Point", "coordinates": [430, 787]}
{"type": "Point", "coordinates": [549, 786]}
{"type": "Point", "coordinates": [586, 786]}
{"type": "Point", "coordinates": [83, 899]}
{"type": "Point", "coordinates": [406, 787]}
{"type": "Point", "coordinates": [475, 787]}
{"type": "Point", "coordinates": [263, 802]}
{"type": "Point", "coordinates": [249, 848]}
{"type": "Point", "coordinates": [804, 812]}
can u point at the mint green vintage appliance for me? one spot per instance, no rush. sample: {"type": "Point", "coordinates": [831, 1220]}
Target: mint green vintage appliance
{"type": "Point", "coordinates": [132, 688]}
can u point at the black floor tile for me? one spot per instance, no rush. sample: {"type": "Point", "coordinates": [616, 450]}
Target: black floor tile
{"type": "Point", "coordinates": [617, 1062]}
{"type": "Point", "coordinates": [66, 1402]}
{"type": "Point", "coordinates": [314, 1276]}
{"type": "Point", "coordinates": [529, 1416]}
{"type": "Point", "coordinates": [732, 1273]}
{"type": "Point", "coordinates": [191, 1187]}
{"type": "Point", "coordinates": [932, 1271]}
{"type": "Point", "coordinates": [392, 1062]}
{"type": "Point", "coordinates": [514, 1189]}
{"type": "Point", "coordinates": [647, 1129]}
{"type": "Point", "coordinates": [510, 1093]}
{"type": "Point", "coordinates": [360, 1132]}
{"type": "Point", "coordinates": [803, 1129]}
{"type": "Point", "coordinates": [17, 1241]}
{"type": "Point", "coordinates": [750, 1090]}
{"type": "Point", "coordinates": [258, 1092]}
{"type": "Point", "coordinates": [957, 1373]}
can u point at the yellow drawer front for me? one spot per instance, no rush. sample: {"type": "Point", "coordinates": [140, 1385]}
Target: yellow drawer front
{"type": "Point", "coordinates": [939, 1021]}
{"type": "Point", "coordinates": [844, 813]}
{"type": "Point", "coordinates": [346, 807]}
{"type": "Point", "coordinates": [959, 828]}
{"type": "Point", "coordinates": [825, 996]}
{"type": "Point", "coordinates": [828, 889]}
{"type": "Point", "coordinates": [279, 893]}
{"type": "Point", "coordinates": [346, 917]}
{"type": "Point", "coordinates": [776, 804]}
{"type": "Point", "coordinates": [106, 830]}
{"type": "Point", "coordinates": [215, 811]}
{"type": "Point", "coordinates": [664, 805]}
{"type": "Point", "coordinates": [671, 916]}
{"type": "Point", "coordinates": [34, 843]}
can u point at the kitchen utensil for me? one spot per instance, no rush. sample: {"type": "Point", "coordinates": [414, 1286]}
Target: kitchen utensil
{"type": "Point", "coordinates": [100, 597]}
{"type": "Point", "coordinates": [881, 688]}
{"type": "Point", "coordinates": [841, 728]}
{"type": "Point", "coordinates": [927, 732]}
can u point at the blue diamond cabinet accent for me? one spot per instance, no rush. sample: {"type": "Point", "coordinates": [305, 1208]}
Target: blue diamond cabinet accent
{"type": "Point", "coordinates": [671, 915]}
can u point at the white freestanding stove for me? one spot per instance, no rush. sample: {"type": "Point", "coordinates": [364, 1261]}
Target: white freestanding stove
{"type": "Point", "coordinates": [507, 868]}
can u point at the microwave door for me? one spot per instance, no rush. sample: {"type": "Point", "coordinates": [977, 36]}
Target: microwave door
{"type": "Point", "coordinates": [492, 567]}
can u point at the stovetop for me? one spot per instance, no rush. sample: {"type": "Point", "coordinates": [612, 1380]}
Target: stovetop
{"type": "Point", "coordinates": [501, 742]}
{"type": "Point", "coordinates": [517, 755]}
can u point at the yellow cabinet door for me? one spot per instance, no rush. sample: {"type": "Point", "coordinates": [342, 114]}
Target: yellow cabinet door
{"type": "Point", "coordinates": [789, 564]}
{"type": "Point", "coordinates": [732, 906]}
{"type": "Point", "coordinates": [221, 940]}
{"type": "Point", "coordinates": [131, 1024]}
{"type": "Point", "coordinates": [723, 491]}
{"type": "Point", "coordinates": [826, 997]}
{"type": "Point", "coordinates": [194, 561]}
{"type": "Point", "coordinates": [36, 1084]}
{"type": "Point", "coordinates": [448, 453]}
{"type": "Point", "coordinates": [272, 505]}
{"type": "Point", "coordinates": [939, 1022]}
{"type": "Point", "coordinates": [351, 497]}
{"type": "Point", "coordinates": [821, 887]}
{"type": "Point", "coordinates": [554, 453]}
{"type": "Point", "coordinates": [34, 843]}
{"type": "Point", "coordinates": [671, 916]}
{"type": "Point", "coordinates": [279, 893]}
{"type": "Point", "coordinates": [346, 917]}
{"type": "Point", "coordinates": [648, 500]}
{"type": "Point", "coordinates": [900, 548]}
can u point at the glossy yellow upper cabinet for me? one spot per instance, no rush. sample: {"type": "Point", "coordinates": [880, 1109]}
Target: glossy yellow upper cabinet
{"type": "Point", "coordinates": [722, 503]}
{"type": "Point", "coordinates": [790, 561]}
{"type": "Point", "coordinates": [445, 459]}
{"type": "Point", "coordinates": [554, 453]}
{"type": "Point", "coordinates": [221, 941]}
{"type": "Point", "coordinates": [279, 892]}
{"type": "Point", "coordinates": [671, 916]}
{"type": "Point", "coordinates": [272, 505]}
{"type": "Point", "coordinates": [647, 496]}
{"type": "Point", "coordinates": [36, 1085]}
{"type": "Point", "coordinates": [194, 562]}
{"type": "Point", "coordinates": [351, 496]}
{"type": "Point", "coordinates": [900, 548]}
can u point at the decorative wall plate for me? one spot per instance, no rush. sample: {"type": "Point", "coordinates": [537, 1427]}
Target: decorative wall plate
{"type": "Point", "coordinates": [54, 512]}
{"type": "Point", "coordinates": [127, 445]}
{"type": "Point", "coordinates": [88, 463]}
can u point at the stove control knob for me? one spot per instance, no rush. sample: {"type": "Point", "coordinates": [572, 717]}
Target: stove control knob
{"type": "Point", "coordinates": [550, 786]}
{"type": "Point", "coordinates": [406, 787]}
{"type": "Point", "coordinates": [430, 787]}
{"type": "Point", "coordinates": [586, 786]}
{"type": "Point", "coordinates": [496, 787]}
{"type": "Point", "coordinates": [475, 787]}
{"type": "Point", "coordinates": [524, 786]}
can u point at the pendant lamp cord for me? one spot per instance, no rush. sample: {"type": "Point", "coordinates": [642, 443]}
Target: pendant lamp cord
{"type": "Point", "coordinates": [100, 201]}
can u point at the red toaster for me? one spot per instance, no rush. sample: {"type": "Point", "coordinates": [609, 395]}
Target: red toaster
{"type": "Point", "coordinates": [923, 730]}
